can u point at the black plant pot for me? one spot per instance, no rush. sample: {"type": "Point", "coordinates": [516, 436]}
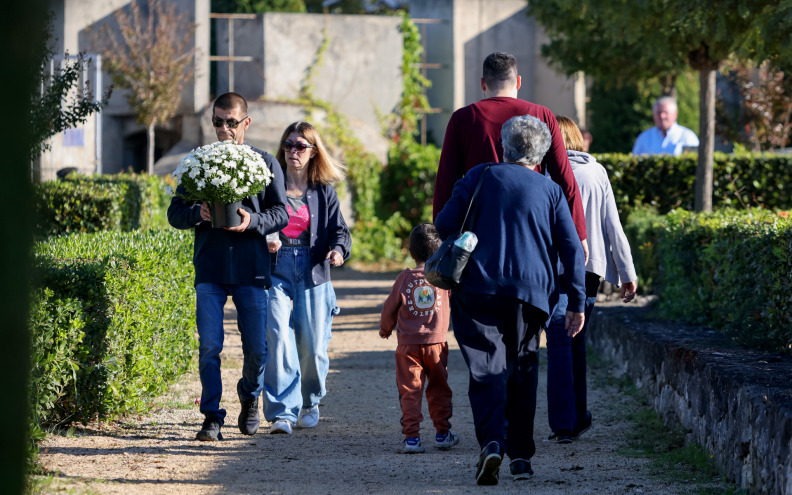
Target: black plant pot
{"type": "Point", "coordinates": [226, 215]}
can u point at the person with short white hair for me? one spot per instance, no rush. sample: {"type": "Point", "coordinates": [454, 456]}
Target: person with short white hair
{"type": "Point", "coordinates": [666, 137]}
{"type": "Point", "coordinates": [509, 289]}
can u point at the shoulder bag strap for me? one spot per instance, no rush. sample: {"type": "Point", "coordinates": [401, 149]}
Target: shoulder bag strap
{"type": "Point", "coordinates": [473, 197]}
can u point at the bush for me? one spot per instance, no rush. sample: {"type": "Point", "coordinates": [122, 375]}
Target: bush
{"type": "Point", "coordinates": [112, 322]}
{"type": "Point", "coordinates": [122, 202]}
{"type": "Point", "coordinates": [408, 181]}
{"type": "Point", "coordinates": [642, 229]}
{"type": "Point", "coordinates": [666, 182]}
{"type": "Point", "coordinates": [57, 330]}
{"type": "Point", "coordinates": [375, 241]}
{"type": "Point", "coordinates": [65, 207]}
{"type": "Point", "coordinates": [730, 270]}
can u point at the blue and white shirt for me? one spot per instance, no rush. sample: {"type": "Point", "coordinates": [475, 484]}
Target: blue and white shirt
{"type": "Point", "coordinates": [652, 141]}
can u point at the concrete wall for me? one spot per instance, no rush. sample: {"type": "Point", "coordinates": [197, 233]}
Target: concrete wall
{"type": "Point", "coordinates": [77, 23]}
{"type": "Point", "coordinates": [359, 72]}
{"type": "Point", "coordinates": [471, 30]}
{"type": "Point", "coordinates": [735, 402]}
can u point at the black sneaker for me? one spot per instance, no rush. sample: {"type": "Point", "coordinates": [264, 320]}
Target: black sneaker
{"type": "Point", "coordinates": [249, 419]}
{"type": "Point", "coordinates": [561, 436]}
{"type": "Point", "coordinates": [489, 464]}
{"type": "Point", "coordinates": [521, 469]}
{"type": "Point", "coordinates": [210, 431]}
{"type": "Point", "coordinates": [582, 428]}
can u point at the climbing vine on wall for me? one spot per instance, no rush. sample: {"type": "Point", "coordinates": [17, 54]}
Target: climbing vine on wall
{"type": "Point", "coordinates": [374, 237]}
{"type": "Point", "coordinates": [387, 199]}
{"type": "Point", "coordinates": [408, 181]}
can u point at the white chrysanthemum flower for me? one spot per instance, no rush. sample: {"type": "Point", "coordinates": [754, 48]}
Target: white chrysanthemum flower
{"type": "Point", "coordinates": [222, 171]}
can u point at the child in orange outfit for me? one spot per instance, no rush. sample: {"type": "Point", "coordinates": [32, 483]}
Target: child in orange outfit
{"type": "Point", "coordinates": [420, 313]}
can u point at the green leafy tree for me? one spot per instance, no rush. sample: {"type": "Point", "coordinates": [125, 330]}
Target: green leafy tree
{"type": "Point", "coordinates": [257, 6]}
{"type": "Point", "coordinates": [618, 114]}
{"type": "Point", "coordinates": [149, 54]}
{"type": "Point", "coordinates": [639, 40]}
{"type": "Point", "coordinates": [61, 103]}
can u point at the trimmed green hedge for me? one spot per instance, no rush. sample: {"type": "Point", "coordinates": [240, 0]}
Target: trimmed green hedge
{"type": "Point", "coordinates": [80, 203]}
{"type": "Point", "coordinates": [730, 270]}
{"type": "Point", "coordinates": [112, 323]}
{"type": "Point", "coordinates": [642, 229]}
{"type": "Point", "coordinates": [666, 182]}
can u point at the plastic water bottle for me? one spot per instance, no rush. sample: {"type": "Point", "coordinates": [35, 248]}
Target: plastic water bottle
{"type": "Point", "coordinates": [467, 241]}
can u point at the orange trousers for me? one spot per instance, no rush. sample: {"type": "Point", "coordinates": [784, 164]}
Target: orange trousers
{"type": "Point", "coordinates": [415, 363]}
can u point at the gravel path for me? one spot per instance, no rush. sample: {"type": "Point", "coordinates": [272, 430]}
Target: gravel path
{"type": "Point", "coordinates": [355, 448]}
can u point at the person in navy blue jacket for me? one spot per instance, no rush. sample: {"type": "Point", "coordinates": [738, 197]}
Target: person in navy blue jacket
{"type": "Point", "coordinates": [508, 289]}
{"type": "Point", "coordinates": [232, 261]}
{"type": "Point", "coordinates": [302, 299]}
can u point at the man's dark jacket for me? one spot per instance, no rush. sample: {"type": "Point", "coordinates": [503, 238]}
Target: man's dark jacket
{"type": "Point", "coordinates": [238, 258]}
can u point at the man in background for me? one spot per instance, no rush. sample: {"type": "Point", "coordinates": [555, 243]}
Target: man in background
{"type": "Point", "coordinates": [666, 137]}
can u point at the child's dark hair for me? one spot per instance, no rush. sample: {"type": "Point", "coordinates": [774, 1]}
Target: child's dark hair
{"type": "Point", "coordinates": [424, 241]}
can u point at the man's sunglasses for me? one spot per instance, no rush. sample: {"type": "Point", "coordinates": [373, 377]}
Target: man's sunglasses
{"type": "Point", "coordinates": [231, 123]}
{"type": "Point", "coordinates": [297, 147]}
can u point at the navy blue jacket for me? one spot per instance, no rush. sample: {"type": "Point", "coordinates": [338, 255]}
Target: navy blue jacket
{"type": "Point", "coordinates": [523, 227]}
{"type": "Point", "coordinates": [328, 231]}
{"type": "Point", "coordinates": [238, 258]}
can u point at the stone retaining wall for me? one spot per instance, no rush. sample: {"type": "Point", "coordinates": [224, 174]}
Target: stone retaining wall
{"type": "Point", "coordinates": [737, 403]}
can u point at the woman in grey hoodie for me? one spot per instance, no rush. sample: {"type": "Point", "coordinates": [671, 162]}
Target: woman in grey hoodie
{"type": "Point", "coordinates": [609, 257]}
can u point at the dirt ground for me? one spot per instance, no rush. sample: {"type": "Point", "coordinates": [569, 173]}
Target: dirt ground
{"type": "Point", "coordinates": [355, 448]}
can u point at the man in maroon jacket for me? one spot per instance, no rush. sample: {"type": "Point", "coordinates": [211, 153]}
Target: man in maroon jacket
{"type": "Point", "coordinates": [473, 136]}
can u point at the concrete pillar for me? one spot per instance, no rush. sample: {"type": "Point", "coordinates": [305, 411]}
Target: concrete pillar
{"type": "Point", "coordinates": [473, 29]}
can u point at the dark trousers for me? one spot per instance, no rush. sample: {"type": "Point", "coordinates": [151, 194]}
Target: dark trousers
{"type": "Point", "coordinates": [499, 339]}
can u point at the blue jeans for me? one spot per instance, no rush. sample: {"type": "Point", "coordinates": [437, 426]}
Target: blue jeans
{"type": "Point", "coordinates": [566, 369]}
{"type": "Point", "coordinates": [298, 333]}
{"type": "Point", "coordinates": [251, 306]}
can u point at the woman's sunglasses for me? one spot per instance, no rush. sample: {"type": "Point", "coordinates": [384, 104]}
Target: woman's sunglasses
{"type": "Point", "coordinates": [297, 147]}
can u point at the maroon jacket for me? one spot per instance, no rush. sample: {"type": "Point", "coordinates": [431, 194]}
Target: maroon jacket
{"type": "Point", "coordinates": [473, 136]}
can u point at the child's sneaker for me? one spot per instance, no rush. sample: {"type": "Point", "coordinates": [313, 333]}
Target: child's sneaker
{"type": "Point", "coordinates": [446, 441]}
{"type": "Point", "coordinates": [413, 445]}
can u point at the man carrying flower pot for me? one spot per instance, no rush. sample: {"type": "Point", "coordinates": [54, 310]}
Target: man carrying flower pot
{"type": "Point", "coordinates": [232, 261]}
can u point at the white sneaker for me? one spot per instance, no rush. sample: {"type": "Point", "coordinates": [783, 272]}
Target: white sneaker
{"type": "Point", "coordinates": [281, 426]}
{"type": "Point", "coordinates": [308, 418]}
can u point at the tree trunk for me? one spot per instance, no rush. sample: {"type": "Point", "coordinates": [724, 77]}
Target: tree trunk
{"type": "Point", "coordinates": [150, 149]}
{"type": "Point", "coordinates": [703, 191]}
{"type": "Point", "coordinates": [668, 84]}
